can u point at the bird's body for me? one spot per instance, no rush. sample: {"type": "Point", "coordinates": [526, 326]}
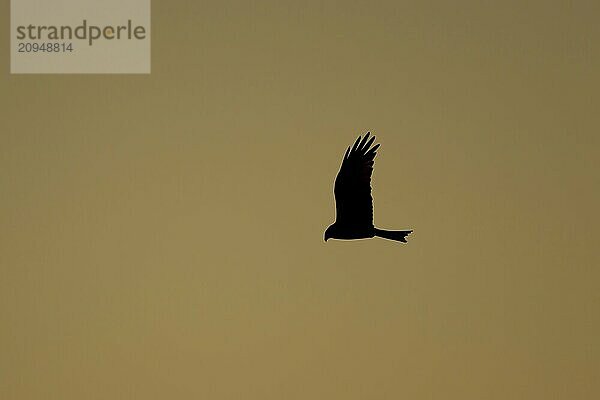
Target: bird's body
{"type": "Point", "coordinates": [353, 201]}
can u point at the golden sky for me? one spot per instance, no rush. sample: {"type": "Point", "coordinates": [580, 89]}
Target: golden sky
{"type": "Point", "coordinates": [161, 236]}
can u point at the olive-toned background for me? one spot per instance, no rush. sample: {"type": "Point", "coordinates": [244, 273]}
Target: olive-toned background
{"type": "Point", "coordinates": [161, 236]}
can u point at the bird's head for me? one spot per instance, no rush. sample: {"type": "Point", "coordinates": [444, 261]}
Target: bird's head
{"type": "Point", "coordinates": [329, 232]}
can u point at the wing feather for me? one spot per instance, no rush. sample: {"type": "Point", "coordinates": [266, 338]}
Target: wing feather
{"type": "Point", "coordinates": [353, 200]}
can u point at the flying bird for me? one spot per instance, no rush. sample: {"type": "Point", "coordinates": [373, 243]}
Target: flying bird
{"type": "Point", "coordinates": [353, 201]}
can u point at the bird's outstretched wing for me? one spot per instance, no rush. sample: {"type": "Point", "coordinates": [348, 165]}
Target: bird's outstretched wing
{"type": "Point", "coordinates": [353, 201]}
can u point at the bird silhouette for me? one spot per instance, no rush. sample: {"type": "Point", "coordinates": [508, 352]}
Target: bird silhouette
{"type": "Point", "coordinates": [353, 201]}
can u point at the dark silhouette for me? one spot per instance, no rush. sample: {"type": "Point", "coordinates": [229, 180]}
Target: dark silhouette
{"type": "Point", "coordinates": [353, 201]}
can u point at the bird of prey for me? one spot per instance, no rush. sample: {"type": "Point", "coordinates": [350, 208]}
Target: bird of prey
{"type": "Point", "coordinates": [353, 201]}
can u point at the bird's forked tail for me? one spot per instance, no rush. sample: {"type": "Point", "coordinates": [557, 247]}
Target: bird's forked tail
{"type": "Point", "coordinates": [399, 236]}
